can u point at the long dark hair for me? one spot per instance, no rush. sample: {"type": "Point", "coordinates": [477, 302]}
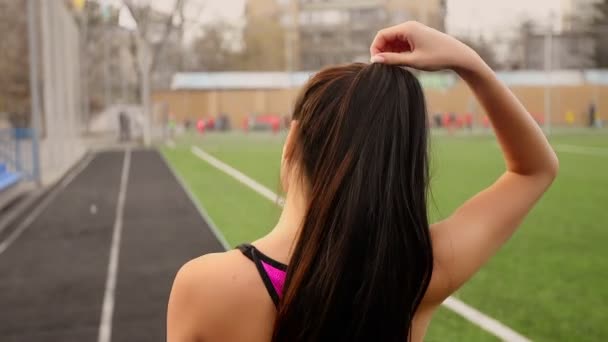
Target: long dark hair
{"type": "Point", "coordinates": [363, 259]}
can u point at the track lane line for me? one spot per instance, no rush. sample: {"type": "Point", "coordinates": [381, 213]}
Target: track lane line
{"type": "Point", "coordinates": [471, 314]}
{"type": "Point", "coordinates": [107, 310]}
{"type": "Point", "coordinates": [201, 210]}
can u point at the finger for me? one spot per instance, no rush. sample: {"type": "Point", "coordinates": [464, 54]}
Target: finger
{"type": "Point", "coordinates": [383, 38]}
{"type": "Point", "coordinates": [407, 58]}
{"type": "Point", "coordinates": [397, 46]}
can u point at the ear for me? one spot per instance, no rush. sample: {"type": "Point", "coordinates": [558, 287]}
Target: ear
{"type": "Point", "coordinates": [289, 145]}
{"type": "Point", "coordinates": [287, 155]}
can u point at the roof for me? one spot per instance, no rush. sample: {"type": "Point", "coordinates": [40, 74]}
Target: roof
{"type": "Point", "coordinates": [239, 80]}
{"type": "Point", "coordinates": [438, 80]}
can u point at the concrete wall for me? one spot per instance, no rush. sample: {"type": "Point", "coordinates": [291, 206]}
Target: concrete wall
{"type": "Point", "coordinates": [460, 99]}
{"type": "Point", "coordinates": [237, 104]}
{"type": "Point", "coordinates": [61, 142]}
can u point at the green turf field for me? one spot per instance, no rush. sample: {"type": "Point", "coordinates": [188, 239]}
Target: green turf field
{"type": "Point", "coordinates": [549, 283]}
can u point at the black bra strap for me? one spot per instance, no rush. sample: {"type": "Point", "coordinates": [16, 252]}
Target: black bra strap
{"type": "Point", "coordinates": [247, 250]}
{"type": "Point", "coordinates": [253, 254]}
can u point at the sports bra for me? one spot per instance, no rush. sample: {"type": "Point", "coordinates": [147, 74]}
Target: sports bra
{"type": "Point", "coordinates": [272, 272]}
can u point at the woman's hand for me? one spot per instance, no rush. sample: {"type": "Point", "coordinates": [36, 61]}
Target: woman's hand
{"type": "Point", "coordinates": [416, 45]}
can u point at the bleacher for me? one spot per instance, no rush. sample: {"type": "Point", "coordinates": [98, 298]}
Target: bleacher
{"type": "Point", "coordinates": [7, 178]}
{"type": "Point", "coordinates": [9, 185]}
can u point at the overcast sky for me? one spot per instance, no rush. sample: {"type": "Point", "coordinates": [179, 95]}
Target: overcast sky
{"type": "Point", "coordinates": [465, 17]}
{"type": "Point", "coordinates": [498, 17]}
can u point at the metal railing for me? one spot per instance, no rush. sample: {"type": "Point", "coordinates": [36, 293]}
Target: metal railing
{"type": "Point", "coordinates": [16, 151]}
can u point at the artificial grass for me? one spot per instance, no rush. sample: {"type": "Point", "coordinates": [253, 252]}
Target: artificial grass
{"type": "Point", "coordinates": [549, 282]}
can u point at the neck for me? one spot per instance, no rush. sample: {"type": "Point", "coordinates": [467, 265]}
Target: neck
{"type": "Point", "coordinates": [287, 229]}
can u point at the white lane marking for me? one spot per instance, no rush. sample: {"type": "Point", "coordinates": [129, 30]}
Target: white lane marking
{"type": "Point", "coordinates": [483, 321]}
{"type": "Point", "coordinates": [238, 175]}
{"type": "Point", "coordinates": [107, 310]}
{"type": "Point", "coordinates": [199, 206]}
{"type": "Point", "coordinates": [592, 151]}
{"type": "Point", "coordinates": [4, 245]}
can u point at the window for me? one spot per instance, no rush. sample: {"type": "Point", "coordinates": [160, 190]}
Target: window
{"type": "Point", "coordinates": [367, 15]}
{"type": "Point", "coordinates": [322, 17]}
{"type": "Point", "coordinates": [305, 18]}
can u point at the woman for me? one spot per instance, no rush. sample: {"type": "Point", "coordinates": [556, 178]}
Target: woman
{"type": "Point", "coordinates": [353, 257]}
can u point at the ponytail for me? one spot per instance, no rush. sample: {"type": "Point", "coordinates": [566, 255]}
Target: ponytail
{"type": "Point", "coordinates": [363, 259]}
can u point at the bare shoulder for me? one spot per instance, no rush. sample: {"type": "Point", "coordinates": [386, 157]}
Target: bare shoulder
{"type": "Point", "coordinates": [209, 290]}
{"type": "Point", "coordinates": [216, 278]}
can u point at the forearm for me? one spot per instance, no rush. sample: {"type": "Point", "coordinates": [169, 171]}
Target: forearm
{"type": "Point", "coordinates": [525, 148]}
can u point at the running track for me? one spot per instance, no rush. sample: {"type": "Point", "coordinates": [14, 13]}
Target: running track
{"type": "Point", "coordinates": [53, 277]}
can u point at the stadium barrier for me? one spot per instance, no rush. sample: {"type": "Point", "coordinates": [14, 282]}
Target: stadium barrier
{"type": "Point", "coordinates": [565, 96]}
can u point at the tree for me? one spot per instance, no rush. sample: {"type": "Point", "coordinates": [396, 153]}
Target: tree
{"type": "Point", "coordinates": [97, 28]}
{"type": "Point", "coordinates": [147, 49]}
{"type": "Point", "coordinates": [14, 52]}
{"type": "Point", "coordinates": [259, 46]}
{"type": "Point", "coordinates": [599, 32]}
{"type": "Point", "coordinates": [212, 49]}
{"type": "Point", "coordinates": [264, 45]}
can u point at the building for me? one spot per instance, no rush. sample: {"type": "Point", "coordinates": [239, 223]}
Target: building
{"type": "Point", "coordinates": [240, 95]}
{"type": "Point", "coordinates": [323, 32]}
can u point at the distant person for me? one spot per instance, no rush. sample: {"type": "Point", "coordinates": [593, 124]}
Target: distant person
{"type": "Point", "coordinates": [223, 122]}
{"type": "Point", "coordinates": [570, 117]}
{"type": "Point", "coordinates": [468, 121]}
{"type": "Point", "coordinates": [124, 127]}
{"type": "Point", "coordinates": [200, 126]}
{"type": "Point", "coordinates": [437, 119]}
{"type": "Point", "coordinates": [591, 113]}
{"type": "Point", "coordinates": [353, 256]}
{"type": "Point", "coordinates": [286, 121]}
{"type": "Point", "coordinates": [449, 121]}
{"type": "Point", "coordinates": [445, 120]}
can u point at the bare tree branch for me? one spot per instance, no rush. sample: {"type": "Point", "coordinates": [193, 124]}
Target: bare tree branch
{"type": "Point", "coordinates": [140, 16]}
{"type": "Point", "coordinates": [142, 19]}
{"type": "Point", "coordinates": [133, 50]}
{"type": "Point", "coordinates": [132, 11]}
{"type": "Point", "coordinates": [167, 31]}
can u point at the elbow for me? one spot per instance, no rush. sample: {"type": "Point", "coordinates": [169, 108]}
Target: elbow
{"type": "Point", "coordinates": [552, 168]}
{"type": "Point", "coordinates": [554, 165]}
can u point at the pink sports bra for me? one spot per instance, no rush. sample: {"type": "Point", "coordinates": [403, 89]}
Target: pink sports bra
{"type": "Point", "coordinates": [272, 272]}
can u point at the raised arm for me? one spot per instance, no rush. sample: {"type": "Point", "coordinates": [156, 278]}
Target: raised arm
{"type": "Point", "coordinates": [474, 232]}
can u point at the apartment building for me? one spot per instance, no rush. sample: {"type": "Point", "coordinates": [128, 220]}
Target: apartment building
{"type": "Point", "coordinates": [322, 32]}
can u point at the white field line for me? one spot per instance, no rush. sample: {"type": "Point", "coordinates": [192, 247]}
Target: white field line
{"type": "Point", "coordinates": [199, 206]}
{"type": "Point", "coordinates": [592, 151]}
{"type": "Point", "coordinates": [485, 322]}
{"type": "Point", "coordinates": [107, 310]}
{"type": "Point", "coordinates": [238, 175]}
{"type": "Point", "coordinates": [4, 245]}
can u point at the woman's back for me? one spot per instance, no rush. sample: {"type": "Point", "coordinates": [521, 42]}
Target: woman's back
{"type": "Point", "coordinates": [232, 303]}
{"type": "Point", "coordinates": [355, 258]}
